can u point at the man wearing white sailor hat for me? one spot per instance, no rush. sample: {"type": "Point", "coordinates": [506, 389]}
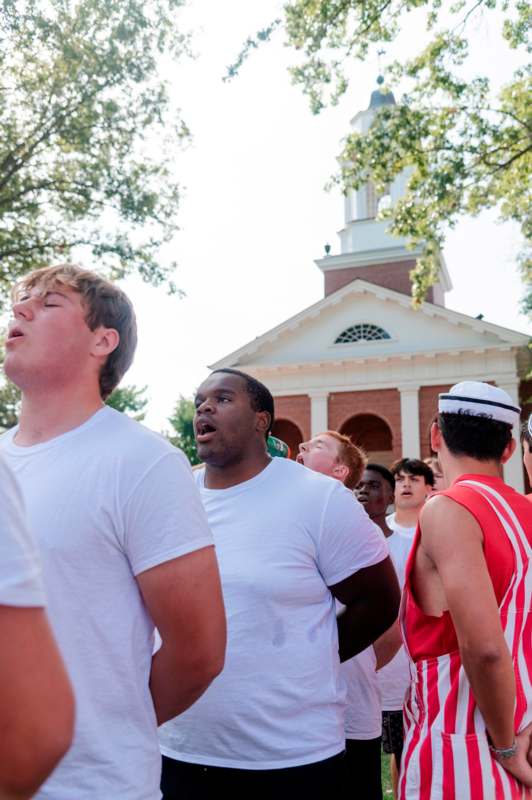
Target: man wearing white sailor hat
{"type": "Point", "coordinates": [466, 612]}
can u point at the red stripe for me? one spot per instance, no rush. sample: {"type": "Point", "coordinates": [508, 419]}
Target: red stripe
{"type": "Point", "coordinates": [407, 756]}
{"type": "Point", "coordinates": [451, 703]}
{"type": "Point", "coordinates": [470, 717]}
{"type": "Point", "coordinates": [499, 790]}
{"type": "Point", "coordinates": [476, 791]}
{"type": "Point", "coordinates": [425, 753]}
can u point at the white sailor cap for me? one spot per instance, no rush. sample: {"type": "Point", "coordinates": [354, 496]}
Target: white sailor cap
{"type": "Point", "coordinates": [480, 399]}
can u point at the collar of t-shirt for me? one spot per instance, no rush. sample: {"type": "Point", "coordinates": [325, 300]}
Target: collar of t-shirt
{"type": "Point", "coordinates": [17, 450]}
{"type": "Point", "coordinates": [238, 487]}
{"type": "Point", "coordinates": [400, 529]}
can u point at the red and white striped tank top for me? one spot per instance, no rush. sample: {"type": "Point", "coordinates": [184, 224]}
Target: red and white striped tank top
{"type": "Point", "coordinates": [446, 754]}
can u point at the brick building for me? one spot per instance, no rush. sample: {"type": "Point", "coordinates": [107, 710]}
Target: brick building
{"type": "Point", "coordinates": [361, 360]}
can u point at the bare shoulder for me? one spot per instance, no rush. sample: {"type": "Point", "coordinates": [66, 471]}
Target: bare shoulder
{"type": "Point", "coordinates": [447, 527]}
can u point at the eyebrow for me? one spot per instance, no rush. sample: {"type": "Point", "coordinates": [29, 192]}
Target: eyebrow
{"type": "Point", "coordinates": [56, 291]}
{"type": "Point", "coordinates": [218, 390]}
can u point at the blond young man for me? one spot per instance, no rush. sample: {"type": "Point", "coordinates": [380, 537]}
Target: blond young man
{"type": "Point", "coordinates": [123, 536]}
{"type": "Point", "coordinates": [335, 455]}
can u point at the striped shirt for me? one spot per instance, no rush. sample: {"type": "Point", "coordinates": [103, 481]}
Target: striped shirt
{"type": "Point", "coordinates": [446, 753]}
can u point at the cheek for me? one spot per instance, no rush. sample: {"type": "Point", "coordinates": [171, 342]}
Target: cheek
{"type": "Point", "coordinates": [318, 461]}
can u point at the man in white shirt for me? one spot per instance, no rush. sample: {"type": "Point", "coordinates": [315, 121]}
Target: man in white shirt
{"type": "Point", "coordinates": [123, 536]}
{"type": "Point", "coordinates": [289, 541]}
{"type": "Point", "coordinates": [36, 701]}
{"type": "Point", "coordinates": [335, 455]}
{"type": "Point", "coordinates": [413, 484]}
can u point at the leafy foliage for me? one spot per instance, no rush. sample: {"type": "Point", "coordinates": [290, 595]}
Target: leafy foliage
{"type": "Point", "coordinates": [129, 400]}
{"type": "Point", "coordinates": [464, 147]}
{"type": "Point", "coordinates": [88, 134]}
{"type": "Point", "coordinates": [181, 422]}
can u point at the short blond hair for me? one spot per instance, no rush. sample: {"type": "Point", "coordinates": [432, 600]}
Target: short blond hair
{"type": "Point", "coordinates": [105, 305]}
{"type": "Point", "coordinates": [351, 456]}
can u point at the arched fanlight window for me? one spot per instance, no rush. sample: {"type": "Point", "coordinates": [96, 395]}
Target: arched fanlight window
{"type": "Point", "coordinates": [362, 332]}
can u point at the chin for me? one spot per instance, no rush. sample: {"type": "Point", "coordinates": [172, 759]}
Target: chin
{"type": "Point", "coordinates": [14, 374]}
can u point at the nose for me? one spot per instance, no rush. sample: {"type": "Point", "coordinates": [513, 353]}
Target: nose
{"type": "Point", "coordinates": [205, 405]}
{"type": "Point", "coordinates": [23, 309]}
{"type": "Point", "coordinates": [303, 447]}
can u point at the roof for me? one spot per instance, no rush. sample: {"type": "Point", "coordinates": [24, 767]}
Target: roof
{"type": "Point", "coordinates": [503, 336]}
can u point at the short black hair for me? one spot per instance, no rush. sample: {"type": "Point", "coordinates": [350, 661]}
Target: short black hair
{"type": "Point", "coordinates": [526, 436]}
{"type": "Point", "coordinates": [413, 466]}
{"type": "Point", "coordinates": [384, 472]}
{"type": "Point", "coordinates": [260, 396]}
{"type": "Point", "coordinates": [476, 436]}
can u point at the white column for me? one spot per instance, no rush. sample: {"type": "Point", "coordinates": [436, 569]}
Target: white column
{"type": "Point", "coordinates": [410, 421]}
{"type": "Point", "coordinates": [513, 469]}
{"type": "Point", "coordinates": [319, 416]}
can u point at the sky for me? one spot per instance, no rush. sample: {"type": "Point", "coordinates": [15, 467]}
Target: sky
{"type": "Point", "coordinates": [255, 214]}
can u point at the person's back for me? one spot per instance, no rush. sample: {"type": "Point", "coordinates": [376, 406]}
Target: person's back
{"type": "Point", "coordinates": [467, 614]}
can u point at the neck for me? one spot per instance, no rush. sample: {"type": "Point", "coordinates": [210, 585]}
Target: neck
{"type": "Point", "coordinates": [227, 475]}
{"type": "Point", "coordinates": [455, 467]}
{"type": "Point", "coordinates": [407, 517]}
{"type": "Point", "coordinates": [50, 413]}
{"type": "Point", "coordinates": [380, 520]}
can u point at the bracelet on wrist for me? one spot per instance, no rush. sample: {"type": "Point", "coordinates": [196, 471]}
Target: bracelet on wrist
{"type": "Point", "coordinates": [502, 753]}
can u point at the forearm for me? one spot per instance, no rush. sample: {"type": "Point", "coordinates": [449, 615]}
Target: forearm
{"type": "Point", "coordinates": [176, 683]}
{"type": "Point", "coordinates": [359, 626]}
{"type": "Point", "coordinates": [493, 684]}
{"type": "Point", "coordinates": [387, 645]}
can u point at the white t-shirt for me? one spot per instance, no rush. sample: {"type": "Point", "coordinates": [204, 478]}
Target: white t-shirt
{"type": "Point", "coordinates": [107, 501]}
{"type": "Point", "coordinates": [363, 718]}
{"type": "Point", "coordinates": [394, 678]}
{"type": "Point", "coordinates": [20, 571]}
{"type": "Point", "coordinates": [281, 538]}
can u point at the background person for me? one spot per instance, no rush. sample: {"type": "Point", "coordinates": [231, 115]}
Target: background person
{"type": "Point", "coordinates": [526, 441]}
{"type": "Point", "coordinates": [469, 709]}
{"type": "Point", "coordinates": [288, 541]}
{"type": "Point", "coordinates": [413, 484]}
{"type": "Point", "coordinates": [123, 537]}
{"type": "Point", "coordinates": [439, 481]}
{"type": "Point", "coordinates": [36, 700]}
{"type": "Point", "coordinates": [375, 490]}
{"type": "Point", "coordinates": [334, 454]}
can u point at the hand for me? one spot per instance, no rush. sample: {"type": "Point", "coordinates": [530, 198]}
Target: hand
{"type": "Point", "coordinates": [520, 765]}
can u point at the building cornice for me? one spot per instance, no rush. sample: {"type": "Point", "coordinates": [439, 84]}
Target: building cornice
{"type": "Point", "coordinates": [507, 336]}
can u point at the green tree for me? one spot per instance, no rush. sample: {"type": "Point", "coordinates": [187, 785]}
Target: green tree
{"type": "Point", "coordinates": [465, 147]}
{"type": "Point", "coordinates": [183, 431]}
{"type": "Point", "coordinates": [129, 400]}
{"type": "Point", "coordinates": [89, 134]}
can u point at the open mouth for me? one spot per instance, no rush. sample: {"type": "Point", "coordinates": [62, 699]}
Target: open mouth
{"type": "Point", "coordinates": [299, 459]}
{"type": "Point", "coordinates": [14, 333]}
{"type": "Point", "coordinates": [204, 431]}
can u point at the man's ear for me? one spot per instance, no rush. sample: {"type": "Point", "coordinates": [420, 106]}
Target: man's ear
{"type": "Point", "coordinates": [105, 341]}
{"type": "Point", "coordinates": [263, 421]}
{"type": "Point", "coordinates": [340, 471]}
{"type": "Point", "coordinates": [435, 437]}
{"type": "Point", "coordinates": [508, 451]}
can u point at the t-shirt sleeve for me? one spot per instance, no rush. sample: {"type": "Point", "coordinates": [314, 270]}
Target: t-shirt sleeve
{"type": "Point", "coordinates": [349, 540]}
{"type": "Point", "coordinates": [163, 516]}
{"type": "Point", "coordinates": [20, 570]}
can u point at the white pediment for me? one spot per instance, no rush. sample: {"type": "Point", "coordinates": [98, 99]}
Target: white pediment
{"type": "Point", "coordinates": [310, 336]}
